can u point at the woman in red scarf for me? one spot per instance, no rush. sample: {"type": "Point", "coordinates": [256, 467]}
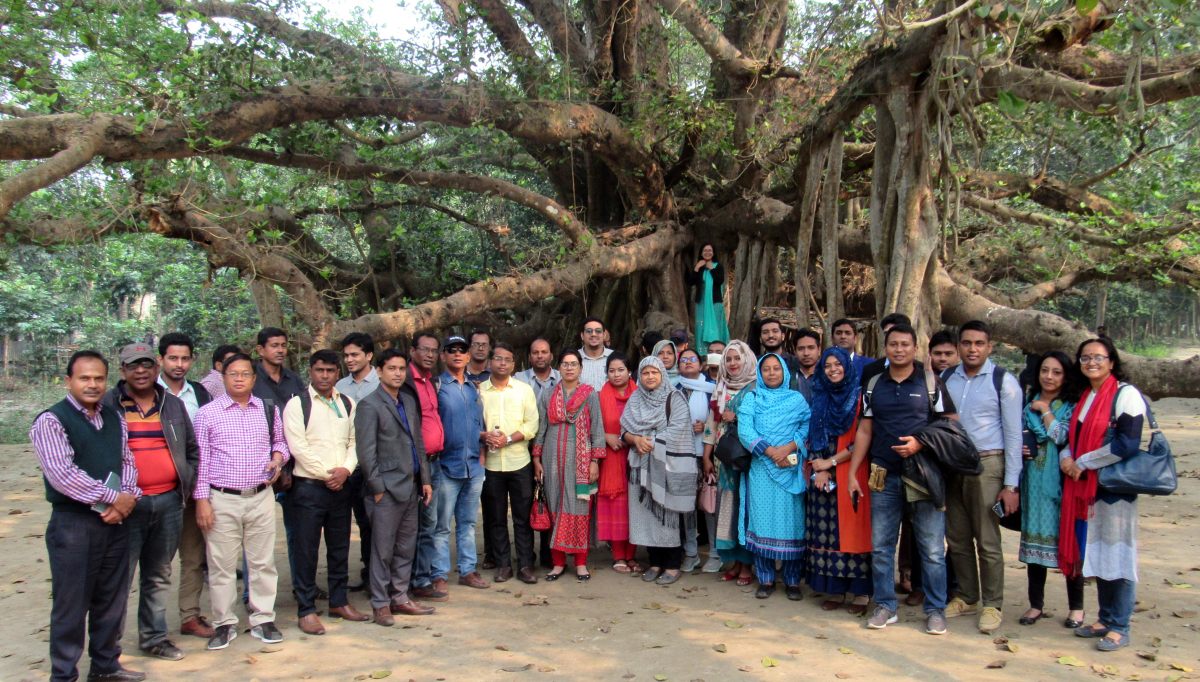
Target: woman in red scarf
{"type": "Point", "coordinates": [1098, 532]}
{"type": "Point", "coordinates": [612, 499]}
{"type": "Point", "coordinates": [566, 455]}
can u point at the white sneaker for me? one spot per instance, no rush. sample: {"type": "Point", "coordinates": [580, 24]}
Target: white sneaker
{"type": "Point", "coordinates": [713, 565]}
{"type": "Point", "coordinates": [690, 563]}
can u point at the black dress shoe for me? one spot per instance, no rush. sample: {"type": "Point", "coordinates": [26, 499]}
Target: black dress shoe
{"type": "Point", "coordinates": [765, 591]}
{"type": "Point", "coordinates": [358, 587]}
{"type": "Point", "coordinates": [121, 675]}
{"type": "Point", "coordinates": [794, 593]}
{"type": "Point", "coordinates": [165, 650]}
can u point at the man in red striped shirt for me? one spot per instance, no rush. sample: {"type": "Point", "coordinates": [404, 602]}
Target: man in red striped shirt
{"type": "Point", "coordinates": [164, 447]}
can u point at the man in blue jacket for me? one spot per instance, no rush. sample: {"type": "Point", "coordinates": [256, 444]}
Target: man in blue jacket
{"type": "Point", "coordinates": [461, 411]}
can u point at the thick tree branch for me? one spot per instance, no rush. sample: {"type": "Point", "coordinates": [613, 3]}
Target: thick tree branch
{"type": "Point", "coordinates": [82, 147]}
{"type": "Point", "coordinates": [1101, 66]}
{"type": "Point", "coordinates": [465, 182]}
{"type": "Point", "coordinates": [1045, 86]}
{"type": "Point", "coordinates": [15, 112]}
{"type": "Point", "coordinates": [380, 142]}
{"type": "Point", "coordinates": [723, 52]}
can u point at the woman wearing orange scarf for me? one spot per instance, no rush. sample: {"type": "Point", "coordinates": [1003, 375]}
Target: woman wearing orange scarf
{"type": "Point", "coordinates": [612, 499]}
{"type": "Point", "coordinates": [1098, 531]}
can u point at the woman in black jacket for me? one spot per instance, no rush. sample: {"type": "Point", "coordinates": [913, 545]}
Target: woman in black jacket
{"type": "Point", "coordinates": [708, 277]}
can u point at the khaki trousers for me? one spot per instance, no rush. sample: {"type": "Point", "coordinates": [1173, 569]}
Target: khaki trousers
{"type": "Point", "coordinates": [973, 533]}
{"type": "Point", "coordinates": [191, 564]}
{"type": "Point", "coordinates": [242, 524]}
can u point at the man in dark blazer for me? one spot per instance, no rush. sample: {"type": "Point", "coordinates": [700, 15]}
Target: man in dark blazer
{"type": "Point", "coordinates": [391, 453]}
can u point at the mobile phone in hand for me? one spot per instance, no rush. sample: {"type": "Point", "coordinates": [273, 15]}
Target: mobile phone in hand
{"type": "Point", "coordinates": [998, 509]}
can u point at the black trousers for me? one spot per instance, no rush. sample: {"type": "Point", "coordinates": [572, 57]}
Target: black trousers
{"type": "Point", "coordinates": [354, 484]}
{"type": "Point", "coordinates": [667, 558]}
{"type": "Point", "coordinates": [1037, 588]}
{"type": "Point", "coordinates": [501, 489]}
{"type": "Point", "coordinates": [317, 509]}
{"type": "Point", "coordinates": [89, 569]}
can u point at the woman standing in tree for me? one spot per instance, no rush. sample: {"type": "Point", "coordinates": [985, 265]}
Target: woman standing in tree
{"type": "Point", "coordinates": [708, 276]}
{"type": "Point", "coordinates": [567, 450]}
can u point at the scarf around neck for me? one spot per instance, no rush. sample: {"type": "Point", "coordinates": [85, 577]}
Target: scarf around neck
{"type": "Point", "coordinates": [775, 416]}
{"type": "Point", "coordinates": [562, 410]}
{"type": "Point", "coordinates": [613, 473]}
{"type": "Point", "coordinates": [834, 405]}
{"type": "Point", "coordinates": [747, 375]}
{"type": "Point", "coordinates": [1079, 497]}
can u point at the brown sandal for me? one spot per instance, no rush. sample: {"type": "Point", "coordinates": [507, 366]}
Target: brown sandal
{"type": "Point", "coordinates": [621, 566]}
{"type": "Point", "coordinates": [830, 605]}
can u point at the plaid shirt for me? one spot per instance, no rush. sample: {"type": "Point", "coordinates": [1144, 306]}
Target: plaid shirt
{"type": "Point", "coordinates": [58, 459]}
{"type": "Point", "coordinates": [234, 447]}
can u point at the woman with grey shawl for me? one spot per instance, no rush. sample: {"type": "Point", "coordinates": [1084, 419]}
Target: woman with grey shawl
{"type": "Point", "coordinates": [662, 469]}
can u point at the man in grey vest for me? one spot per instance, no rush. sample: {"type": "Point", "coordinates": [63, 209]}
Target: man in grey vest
{"type": "Point", "coordinates": [391, 453]}
{"type": "Point", "coordinates": [91, 480]}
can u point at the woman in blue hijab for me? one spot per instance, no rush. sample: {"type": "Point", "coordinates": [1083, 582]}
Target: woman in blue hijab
{"type": "Point", "coordinates": [773, 425]}
{"type": "Point", "coordinates": [838, 560]}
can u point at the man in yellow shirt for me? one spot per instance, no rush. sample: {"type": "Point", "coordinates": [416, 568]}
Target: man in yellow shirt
{"type": "Point", "coordinates": [319, 425]}
{"type": "Point", "coordinates": [510, 415]}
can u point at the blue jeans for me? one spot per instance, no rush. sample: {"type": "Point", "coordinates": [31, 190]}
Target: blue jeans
{"type": "Point", "coordinates": [427, 518]}
{"type": "Point", "coordinates": [1116, 603]}
{"type": "Point", "coordinates": [929, 531]}
{"type": "Point", "coordinates": [154, 527]}
{"type": "Point", "coordinates": [458, 501]}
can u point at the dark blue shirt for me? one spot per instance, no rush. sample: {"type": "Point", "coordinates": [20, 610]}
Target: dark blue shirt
{"type": "Point", "coordinates": [900, 409]}
{"type": "Point", "coordinates": [461, 411]}
{"type": "Point", "coordinates": [408, 429]}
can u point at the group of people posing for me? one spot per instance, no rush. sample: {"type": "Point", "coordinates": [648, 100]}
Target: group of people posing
{"type": "Point", "coordinates": [802, 467]}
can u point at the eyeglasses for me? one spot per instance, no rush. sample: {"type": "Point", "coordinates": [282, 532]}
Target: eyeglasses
{"type": "Point", "coordinates": [1092, 359]}
{"type": "Point", "coordinates": [481, 345]}
{"type": "Point", "coordinates": [569, 365]}
{"type": "Point", "coordinates": [456, 350]}
{"type": "Point", "coordinates": [240, 375]}
{"type": "Point", "coordinates": [689, 361]}
{"type": "Point", "coordinates": [595, 330]}
{"type": "Point", "coordinates": [503, 361]}
{"type": "Point", "coordinates": [144, 363]}
{"type": "Point", "coordinates": [423, 349]}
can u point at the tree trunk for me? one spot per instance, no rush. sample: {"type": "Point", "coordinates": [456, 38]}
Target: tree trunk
{"type": "Point", "coordinates": [806, 211]}
{"type": "Point", "coordinates": [266, 300]}
{"type": "Point", "coordinates": [1101, 303]}
{"type": "Point", "coordinates": [834, 306]}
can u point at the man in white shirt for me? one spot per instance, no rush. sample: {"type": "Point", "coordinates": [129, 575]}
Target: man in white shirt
{"type": "Point", "coordinates": [176, 354]}
{"type": "Point", "coordinates": [595, 355]}
{"type": "Point", "coordinates": [319, 425]}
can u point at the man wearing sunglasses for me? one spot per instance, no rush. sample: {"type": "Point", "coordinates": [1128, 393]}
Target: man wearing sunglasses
{"type": "Point", "coordinates": [461, 412]}
{"type": "Point", "coordinates": [164, 447]}
{"type": "Point", "coordinates": [595, 355]}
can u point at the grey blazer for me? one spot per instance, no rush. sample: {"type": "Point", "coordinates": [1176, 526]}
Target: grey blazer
{"type": "Point", "coordinates": [385, 447]}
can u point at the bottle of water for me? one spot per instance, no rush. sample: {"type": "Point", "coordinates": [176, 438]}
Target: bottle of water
{"type": "Point", "coordinates": [499, 433]}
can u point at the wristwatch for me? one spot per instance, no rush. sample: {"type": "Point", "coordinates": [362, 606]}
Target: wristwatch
{"type": "Point", "coordinates": [1011, 488]}
{"type": "Point", "coordinates": [509, 441]}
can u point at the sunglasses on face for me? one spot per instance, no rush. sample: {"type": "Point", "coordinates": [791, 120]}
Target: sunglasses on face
{"type": "Point", "coordinates": [456, 350]}
{"type": "Point", "coordinates": [144, 363]}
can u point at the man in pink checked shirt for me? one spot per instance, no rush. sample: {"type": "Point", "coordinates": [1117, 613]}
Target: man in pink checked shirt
{"type": "Point", "coordinates": [80, 445]}
{"type": "Point", "coordinates": [242, 450]}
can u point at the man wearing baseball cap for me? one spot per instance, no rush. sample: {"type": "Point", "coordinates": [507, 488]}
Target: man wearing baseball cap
{"type": "Point", "coordinates": [461, 411]}
{"type": "Point", "coordinates": [167, 456]}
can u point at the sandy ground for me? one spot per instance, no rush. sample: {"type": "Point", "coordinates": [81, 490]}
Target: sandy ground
{"type": "Point", "coordinates": [616, 627]}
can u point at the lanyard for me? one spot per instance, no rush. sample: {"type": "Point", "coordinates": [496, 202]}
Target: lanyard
{"type": "Point", "coordinates": [331, 405]}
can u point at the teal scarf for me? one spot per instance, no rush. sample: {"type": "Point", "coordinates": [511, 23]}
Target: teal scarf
{"type": "Point", "coordinates": [708, 311]}
{"type": "Point", "coordinates": [1050, 478]}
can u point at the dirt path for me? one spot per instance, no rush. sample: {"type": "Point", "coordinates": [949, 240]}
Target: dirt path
{"type": "Point", "coordinates": [616, 628]}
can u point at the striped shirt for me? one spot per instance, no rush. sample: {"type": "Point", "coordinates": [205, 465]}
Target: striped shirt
{"type": "Point", "coordinates": [58, 459]}
{"type": "Point", "coordinates": [148, 443]}
{"type": "Point", "coordinates": [234, 445]}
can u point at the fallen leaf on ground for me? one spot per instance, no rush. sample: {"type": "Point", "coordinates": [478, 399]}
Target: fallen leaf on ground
{"type": "Point", "coordinates": [793, 652]}
{"type": "Point", "coordinates": [1185, 613]}
{"type": "Point", "coordinates": [605, 629]}
{"type": "Point", "coordinates": [545, 669]}
{"type": "Point", "coordinates": [769, 662]}
{"type": "Point", "coordinates": [1184, 668]}
{"type": "Point", "coordinates": [251, 660]}
{"type": "Point", "coordinates": [1104, 669]}
{"type": "Point", "coordinates": [845, 650]}
{"type": "Point", "coordinates": [660, 677]}
{"type": "Point", "coordinates": [517, 668]}
{"type": "Point", "coordinates": [1148, 655]}
{"type": "Point", "coordinates": [628, 676]}
{"type": "Point", "coordinates": [670, 609]}
{"type": "Point", "coordinates": [653, 646]}
{"type": "Point", "coordinates": [437, 634]}
{"type": "Point", "coordinates": [822, 636]}
{"type": "Point", "coordinates": [1142, 607]}
{"type": "Point", "coordinates": [1009, 647]}
{"type": "Point", "coordinates": [745, 668]}
{"type": "Point", "coordinates": [270, 649]}
{"type": "Point", "coordinates": [652, 606]}
{"type": "Point", "coordinates": [1135, 677]}
{"type": "Point", "coordinates": [842, 676]}
{"type": "Point", "coordinates": [997, 663]}
{"type": "Point", "coordinates": [732, 624]}
{"type": "Point", "coordinates": [380, 674]}
{"type": "Point", "coordinates": [586, 596]}
{"type": "Point", "coordinates": [1071, 660]}
{"type": "Point", "coordinates": [720, 648]}
{"type": "Point", "coordinates": [501, 647]}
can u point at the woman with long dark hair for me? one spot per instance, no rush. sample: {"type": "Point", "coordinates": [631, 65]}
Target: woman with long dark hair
{"type": "Point", "coordinates": [568, 447]}
{"type": "Point", "coordinates": [1047, 418]}
{"type": "Point", "coordinates": [612, 498]}
{"type": "Point", "coordinates": [708, 276]}
{"type": "Point", "coordinates": [1098, 532]}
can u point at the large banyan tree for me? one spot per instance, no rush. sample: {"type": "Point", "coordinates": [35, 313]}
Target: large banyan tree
{"type": "Point", "coordinates": [946, 159]}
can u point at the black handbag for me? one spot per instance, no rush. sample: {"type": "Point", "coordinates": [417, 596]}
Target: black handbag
{"type": "Point", "coordinates": [1148, 472]}
{"type": "Point", "coordinates": [731, 452]}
